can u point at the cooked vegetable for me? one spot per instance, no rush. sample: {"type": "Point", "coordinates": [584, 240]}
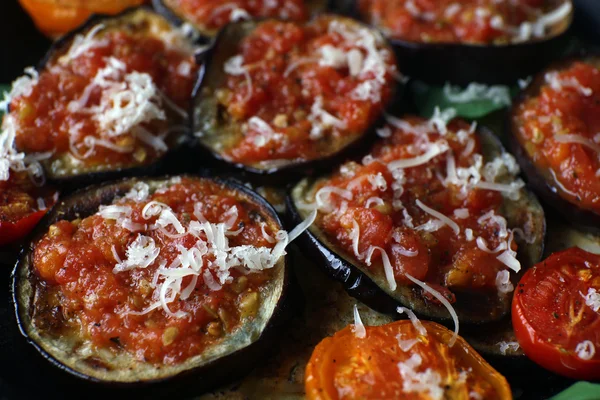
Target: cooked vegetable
{"type": "Point", "coordinates": [554, 134]}
{"type": "Point", "coordinates": [474, 41]}
{"type": "Point", "coordinates": [434, 214]}
{"type": "Point", "coordinates": [288, 98]}
{"type": "Point", "coordinates": [154, 279]}
{"type": "Point", "coordinates": [208, 16]}
{"type": "Point", "coordinates": [400, 360]}
{"type": "Point", "coordinates": [107, 99]}
{"type": "Point", "coordinates": [556, 313]}
{"type": "Point", "coordinates": [56, 17]}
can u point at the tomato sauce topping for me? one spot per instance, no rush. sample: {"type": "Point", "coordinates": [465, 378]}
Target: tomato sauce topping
{"type": "Point", "coordinates": [213, 15]}
{"type": "Point", "coordinates": [424, 204]}
{"type": "Point", "coordinates": [559, 128]}
{"type": "Point", "coordinates": [105, 101]}
{"type": "Point", "coordinates": [399, 361]}
{"type": "Point", "coordinates": [304, 91]}
{"type": "Point", "coordinates": [467, 21]}
{"type": "Point", "coordinates": [556, 313]}
{"type": "Point", "coordinates": [161, 275]}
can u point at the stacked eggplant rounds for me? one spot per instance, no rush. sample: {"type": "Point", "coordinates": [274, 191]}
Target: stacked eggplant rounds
{"type": "Point", "coordinates": [283, 99]}
{"type": "Point", "coordinates": [470, 41]}
{"type": "Point", "coordinates": [143, 280]}
{"type": "Point", "coordinates": [208, 17]}
{"type": "Point", "coordinates": [433, 219]}
{"type": "Point", "coordinates": [107, 100]}
{"type": "Point", "coordinates": [554, 130]}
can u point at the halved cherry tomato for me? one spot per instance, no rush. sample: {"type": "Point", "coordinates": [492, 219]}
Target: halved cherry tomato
{"type": "Point", "coordinates": [11, 232]}
{"type": "Point", "coordinates": [394, 361]}
{"type": "Point", "coordinates": [556, 313]}
{"type": "Point", "coordinates": [55, 17]}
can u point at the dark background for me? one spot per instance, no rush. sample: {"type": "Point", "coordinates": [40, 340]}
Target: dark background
{"type": "Point", "coordinates": [22, 45]}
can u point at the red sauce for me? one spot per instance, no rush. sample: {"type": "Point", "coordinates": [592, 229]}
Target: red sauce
{"type": "Point", "coordinates": [214, 14]}
{"type": "Point", "coordinates": [44, 122]}
{"type": "Point", "coordinates": [75, 262]}
{"type": "Point", "coordinates": [569, 107]}
{"type": "Point", "coordinates": [282, 60]}
{"type": "Point", "coordinates": [466, 21]}
{"type": "Point", "coordinates": [445, 260]}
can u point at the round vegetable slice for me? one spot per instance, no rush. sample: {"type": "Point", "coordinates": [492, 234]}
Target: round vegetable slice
{"type": "Point", "coordinates": [154, 279]}
{"type": "Point", "coordinates": [107, 100]}
{"type": "Point", "coordinates": [398, 361]}
{"type": "Point", "coordinates": [474, 40]}
{"type": "Point", "coordinates": [434, 211]}
{"type": "Point", "coordinates": [554, 133]}
{"type": "Point", "coordinates": [556, 313]}
{"type": "Point", "coordinates": [280, 98]}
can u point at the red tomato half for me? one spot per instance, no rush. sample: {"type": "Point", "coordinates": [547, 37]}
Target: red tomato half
{"type": "Point", "coordinates": [556, 314]}
{"type": "Point", "coordinates": [11, 232]}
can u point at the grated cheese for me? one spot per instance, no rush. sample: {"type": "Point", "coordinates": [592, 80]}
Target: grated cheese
{"type": "Point", "coordinates": [358, 328]}
{"type": "Point", "coordinates": [447, 221]}
{"type": "Point", "coordinates": [141, 253]}
{"type": "Point", "coordinates": [497, 94]}
{"type": "Point", "coordinates": [21, 87]}
{"type": "Point", "coordinates": [505, 346]}
{"type": "Point", "coordinates": [503, 283]}
{"type": "Point", "coordinates": [592, 299]}
{"type": "Point", "coordinates": [428, 382]}
{"type": "Point", "coordinates": [413, 319]}
{"type": "Point", "coordinates": [585, 350]}
{"type": "Point", "coordinates": [387, 265]}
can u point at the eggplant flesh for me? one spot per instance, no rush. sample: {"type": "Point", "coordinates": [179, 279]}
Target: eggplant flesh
{"type": "Point", "coordinates": [327, 309]}
{"type": "Point", "coordinates": [69, 352]}
{"type": "Point", "coordinates": [170, 10]}
{"type": "Point", "coordinates": [464, 63]}
{"type": "Point", "coordinates": [67, 169]}
{"type": "Point", "coordinates": [372, 287]}
{"type": "Point", "coordinates": [214, 132]}
{"type": "Point", "coordinates": [542, 182]}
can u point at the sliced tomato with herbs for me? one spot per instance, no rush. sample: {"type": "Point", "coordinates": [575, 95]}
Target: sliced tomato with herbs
{"type": "Point", "coordinates": [556, 313]}
{"type": "Point", "coordinates": [394, 361]}
{"type": "Point", "coordinates": [22, 205]}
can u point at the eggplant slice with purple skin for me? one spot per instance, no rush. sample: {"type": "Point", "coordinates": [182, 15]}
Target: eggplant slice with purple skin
{"type": "Point", "coordinates": [463, 63]}
{"type": "Point", "coordinates": [170, 9]}
{"type": "Point", "coordinates": [236, 353]}
{"type": "Point", "coordinates": [372, 287]}
{"type": "Point", "coordinates": [543, 183]}
{"type": "Point", "coordinates": [212, 129]}
{"type": "Point", "coordinates": [65, 169]}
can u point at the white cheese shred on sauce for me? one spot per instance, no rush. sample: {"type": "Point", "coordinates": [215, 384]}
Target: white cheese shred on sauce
{"type": "Point", "coordinates": [585, 350]}
{"type": "Point", "coordinates": [211, 240]}
{"type": "Point", "coordinates": [413, 318]}
{"type": "Point", "coordinates": [358, 328]}
{"type": "Point", "coordinates": [442, 300]}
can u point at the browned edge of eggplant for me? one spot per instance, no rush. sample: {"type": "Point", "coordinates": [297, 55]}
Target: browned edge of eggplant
{"type": "Point", "coordinates": [194, 376]}
{"type": "Point", "coordinates": [163, 7]}
{"type": "Point", "coordinates": [281, 173]}
{"type": "Point", "coordinates": [471, 308]}
{"type": "Point", "coordinates": [543, 183]}
{"type": "Point", "coordinates": [463, 63]}
{"type": "Point", "coordinates": [165, 163]}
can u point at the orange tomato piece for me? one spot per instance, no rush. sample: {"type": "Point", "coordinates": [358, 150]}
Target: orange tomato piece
{"type": "Point", "coordinates": [394, 361]}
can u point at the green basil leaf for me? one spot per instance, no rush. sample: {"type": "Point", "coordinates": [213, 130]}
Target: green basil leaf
{"type": "Point", "coordinates": [580, 391]}
{"type": "Point", "coordinates": [473, 102]}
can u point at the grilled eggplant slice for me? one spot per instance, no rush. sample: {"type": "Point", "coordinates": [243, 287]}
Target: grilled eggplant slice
{"type": "Point", "coordinates": [295, 134]}
{"type": "Point", "coordinates": [464, 63]}
{"type": "Point", "coordinates": [373, 288]}
{"type": "Point", "coordinates": [580, 207]}
{"type": "Point", "coordinates": [177, 12]}
{"type": "Point", "coordinates": [116, 111]}
{"type": "Point", "coordinates": [234, 348]}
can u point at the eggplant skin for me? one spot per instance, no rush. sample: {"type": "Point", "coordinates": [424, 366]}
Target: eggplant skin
{"type": "Point", "coordinates": [541, 183]}
{"type": "Point", "coordinates": [371, 289]}
{"type": "Point", "coordinates": [461, 63]}
{"type": "Point", "coordinates": [236, 354]}
{"type": "Point", "coordinates": [205, 112]}
{"type": "Point", "coordinates": [72, 178]}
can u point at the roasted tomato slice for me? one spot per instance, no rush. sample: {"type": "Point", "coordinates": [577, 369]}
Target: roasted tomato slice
{"type": "Point", "coordinates": [395, 361]}
{"type": "Point", "coordinates": [55, 17]}
{"type": "Point", "coordinates": [556, 313]}
{"type": "Point", "coordinates": [12, 231]}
